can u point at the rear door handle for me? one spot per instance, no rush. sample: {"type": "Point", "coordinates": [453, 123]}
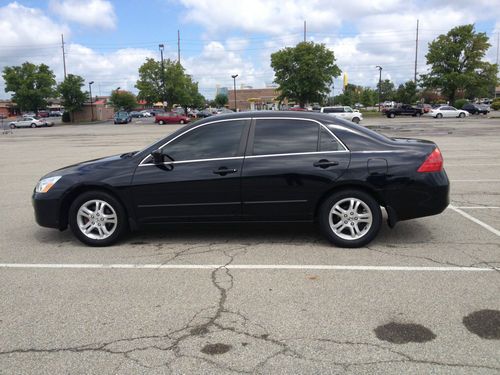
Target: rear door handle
{"type": "Point", "coordinates": [224, 171]}
{"type": "Point", "coordinates": [324, 163]}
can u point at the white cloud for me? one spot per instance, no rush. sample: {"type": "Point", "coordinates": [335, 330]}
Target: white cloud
{"type": "Point", "coordinates": [91, 13]}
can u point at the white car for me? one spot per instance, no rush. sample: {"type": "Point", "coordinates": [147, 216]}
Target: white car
{"type": "Point", "coordinates": [28, 122]}
{"type": "Point", "coordinates": [447, 111]}
{"type": "Point", "coordinates": [344, 112]}
{"type": "Point", "coordinates": [146, 113]}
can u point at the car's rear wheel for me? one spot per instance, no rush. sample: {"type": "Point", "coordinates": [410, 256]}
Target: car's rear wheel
{"type": "Point", "coordinates": [356, 120]}
{"type": "Point", "coordinates": [181, 122]}
{"type": "Point", "coordinates": [33, 125]}
{"type": "Point", "coordinates": [461, 115]}
{"type": "Point", "coordinates": [12, 126]}
{"type": "Point", "coordinates": [439, 115]}
{"type": "Point", "coordinates": [161, 122]}
{"type": "Point", "coordinates": [350, 218]}
{"type": "Point", "coordinates": [97, 218]}
{"type": "Point", "coordinates": [391, 115]}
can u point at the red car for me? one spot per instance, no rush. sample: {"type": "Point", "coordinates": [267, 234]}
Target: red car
{"type": "Point", "coordinates": [171, 118]}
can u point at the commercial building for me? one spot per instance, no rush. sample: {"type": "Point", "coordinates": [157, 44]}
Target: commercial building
{"type": "Point", "coordinates": [254, 99]}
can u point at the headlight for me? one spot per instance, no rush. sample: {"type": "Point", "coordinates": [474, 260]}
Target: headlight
{"type": "Point", "coordinates": [46, 184]}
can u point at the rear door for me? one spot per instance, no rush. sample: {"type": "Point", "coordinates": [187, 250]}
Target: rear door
{"type": "Point", "coordinates": [289, 164]}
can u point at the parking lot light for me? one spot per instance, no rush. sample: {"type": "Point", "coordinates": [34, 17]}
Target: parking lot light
{"type": "Point", "coordinates": [234, 79]}
{"type": "Point", "coordinates": [91, 107]}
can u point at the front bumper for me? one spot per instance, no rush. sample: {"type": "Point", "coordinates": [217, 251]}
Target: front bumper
{"type": "Point", "coordinates": [47, 210]}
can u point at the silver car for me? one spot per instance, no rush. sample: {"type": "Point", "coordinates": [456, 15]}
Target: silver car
{"type": "Point", "coordinates": [447, 111]}
{"type": "Point", "coordinates": [28, 122]}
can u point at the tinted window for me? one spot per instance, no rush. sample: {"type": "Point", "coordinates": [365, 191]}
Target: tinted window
{"type": "Point", "coordinates": [285, 136]}
{"type": "Point", "coordinates": [328, 142]}
{"type": "Point", "coordinates": [220, 140]}
{"type": "Point", "coordinates": [333, 110]}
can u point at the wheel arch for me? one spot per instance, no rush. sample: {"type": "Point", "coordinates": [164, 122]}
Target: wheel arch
{"type": "Point", "coordinates": [80, 189]}
{"type": "Point", "coordinates": [349, 186]}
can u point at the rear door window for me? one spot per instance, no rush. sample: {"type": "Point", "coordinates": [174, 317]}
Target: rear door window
{"type": "Point", "coordinates": [328, 142]}
{"type": "Point", "coordinates": [285, 136]}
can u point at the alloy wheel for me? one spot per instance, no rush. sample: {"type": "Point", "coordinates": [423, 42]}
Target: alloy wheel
{"type": "Point", "coordinates": [350, 218]}
{"type": "Point", "coordinates": [97, 219]}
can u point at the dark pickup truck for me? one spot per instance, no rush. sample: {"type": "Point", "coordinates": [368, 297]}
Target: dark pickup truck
{"type": "Point", "coordinates": [404, 110]}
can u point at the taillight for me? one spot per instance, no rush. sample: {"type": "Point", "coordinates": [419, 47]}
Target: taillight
{"type": "Point", "coordinates": [433, 163]}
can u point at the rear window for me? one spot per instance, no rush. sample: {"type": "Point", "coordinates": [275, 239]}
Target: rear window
{"type": "Point", "coordinates": [333, 110]}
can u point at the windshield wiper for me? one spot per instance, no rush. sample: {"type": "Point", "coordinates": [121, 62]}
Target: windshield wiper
{"type": "Point", "coordinates": [128, 154]}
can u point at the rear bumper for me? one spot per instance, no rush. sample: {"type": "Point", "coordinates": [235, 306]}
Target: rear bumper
{"type": "Point", "coordinates": [427, 197]}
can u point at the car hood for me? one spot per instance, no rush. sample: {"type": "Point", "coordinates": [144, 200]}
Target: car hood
{"type": "Point", "coordinates": [84, 168]}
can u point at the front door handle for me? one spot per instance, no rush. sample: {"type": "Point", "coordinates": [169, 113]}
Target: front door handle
{"type": "Point", "coordinates": [324, 163]}
{"type": "Point", "coordinates": [224, 171]}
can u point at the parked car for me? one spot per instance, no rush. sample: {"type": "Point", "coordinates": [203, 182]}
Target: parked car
{"type": "Point", "coordinates": [136, 114]}
{"type": "Point", "coordinates": [29, 122]}
{"type": "Point", "coordinates": [299, 109]}
{"type": "Point", "coordinates": [146, 113]}
{"type": "Point", "coordinates": [43, 114]}
{"type": "Point", "coordinates": [475, 109]}
{"type": "Point", "coordinates": [224, 111]}
{"type": "Point", "coordinates": [251, 166]}
{"type": "Point", "coordinates": [447, 111]}
{"type": "Point", "coordinates": [343, 112]}
{"type": "Point", "coordinates": [424, 107]}
{"type": "Point", "coordinates": [122, 117]}
{"type": "Point", "coordinates": [403, 110]}
{"type": "Point", "coordinates": [204, 114]}
{"type": "Point", "coordinates": [171, 118]}
{"type": "Point", "coordinates": [55, 114]}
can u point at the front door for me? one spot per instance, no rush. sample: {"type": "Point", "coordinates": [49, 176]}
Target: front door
{"type": "Point", "coordinates": [199, 179]}
{"type": "Point", "coordinates": [289, 164]}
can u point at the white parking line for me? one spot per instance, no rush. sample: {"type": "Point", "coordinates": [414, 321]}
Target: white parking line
{"type": "Point", "coordinates": [244, 267]}
{"type": "Point", "coordinates": [477, 221]}
{"type": "Point", "coordinates": [486, 180]}
{"type": "Point", "coordinates": [477, 207]}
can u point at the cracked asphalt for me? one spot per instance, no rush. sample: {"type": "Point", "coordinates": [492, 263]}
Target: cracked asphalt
{"type": "Point", "coordinates": [224, 320]}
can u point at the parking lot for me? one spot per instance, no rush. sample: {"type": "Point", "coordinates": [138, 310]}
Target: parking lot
{"type": "Point", "coordinates": [423, 297]}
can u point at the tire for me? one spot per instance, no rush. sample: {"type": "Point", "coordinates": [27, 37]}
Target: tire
{"type": "Point", "coordinates": [356, 120]}
{"type": "Point", "coordinates": [33, 125]}
{"type": "Point", "coordinates": [181, 122]}
{"type": "Point", "coordinates": [12, 126]}
{"type": "Point", "coordinates": [97, 235]}
{"type": "Point", "coordinates": [391, 115]}
{"type": "Point", "coordinates": [419, 114]}
{"type": "Point", "coordinates": [439, 115]}
{"type": "Point", "coordinates": [461, 115]}
{"type": "Point", "coordinates": [355, 233]}
{"type": "Point", "coordinates": [161, 122]}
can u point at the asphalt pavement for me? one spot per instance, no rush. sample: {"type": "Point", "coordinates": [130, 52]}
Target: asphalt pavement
{"type": "Point", "coordinates": [423, 297]}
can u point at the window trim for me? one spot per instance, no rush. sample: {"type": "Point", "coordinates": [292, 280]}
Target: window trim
{"type": "Point", "coordinates": [249, 141]}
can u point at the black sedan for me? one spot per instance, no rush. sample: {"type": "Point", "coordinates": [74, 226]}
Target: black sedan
{"type": "Point", "coordinates": [255, 166]}
{"type": "Point", "coordinates": [475, 109]}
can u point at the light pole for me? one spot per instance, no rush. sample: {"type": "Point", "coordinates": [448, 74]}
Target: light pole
{"type": "Point", "coordinates": [379, 84]}
{"type": "Point", "coordinates": [91, 107]}
{"type": "Point", "coordinates": [234, 79]}
{"type": "Point", "coordinates": [161, 46]}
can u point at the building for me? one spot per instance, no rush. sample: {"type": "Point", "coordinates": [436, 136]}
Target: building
{"type": "Point", "coordinates": [254, 99]}
{"type": "Point", "coordinates": [8, 109]}
{"type": "Point", "coordinates": [99, 111]}
{"type": "Point", "coordinates": [221, 90]}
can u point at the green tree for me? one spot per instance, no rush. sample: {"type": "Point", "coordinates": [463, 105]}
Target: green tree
{"type": "Point", "coordinates": [30, 84]}
{"type": "Point", "coordinates": [121, 99]}
{"type": "Point", "coordinates": [456, 65]}
{"type": "Point", "coordinates": [406, 93]}
{"type": "Point", "coordinates": [386, 90]}
{"type": "Point", "coordinates": [305, 72]}
{"type": "Point", "coordinates": [368, 97]}
{"type": "Point", "coordinates": [71, 93]}
{"type": "Point", "coordinates": [221, 100]}
{"type": "Point", "coordinates": [150, 83]}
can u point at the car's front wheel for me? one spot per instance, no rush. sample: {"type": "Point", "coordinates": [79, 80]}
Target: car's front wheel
{"type": "Point", "coordinates": [12, 126]}
{"type": "Point", "coordinates": [97, 218]}
{"type": "Point", "coordinates": [461, 115]}
{"type": "Point", "coordinates": [356, 120]}
{"type": "Point", "coordinates": [161, 122]}
{"type": "Point", "coordinates": [391, 115]}
{"type": "Point", "coordinates": [350, 218]}
{"type": "Point", "coordinates": [33, 125]}
{"type": "Point", "coordinates": [439, 115]}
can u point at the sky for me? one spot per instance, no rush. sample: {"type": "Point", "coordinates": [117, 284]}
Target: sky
{"type": "Point", "coordinates": [107, 40]}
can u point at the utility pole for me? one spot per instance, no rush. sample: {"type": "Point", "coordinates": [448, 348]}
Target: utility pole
{"type": "Point", "coordinates": [379, 84]}
{"type": "Point", "coordinates": [64, 55]}
{"type": "Point", "coordinates": [305, 30]}
{"type": "Point", "coordinates": [91, 106]}
{"type": "Point", "coordinates": [416, 55]}
{"type": "Point", "coordinates": [498, 44]}
{"type": "Point", "coordinates": [161, 46]}
{"type": "Point", "coordinates": [178, 46]}
{"type": "Point", "coordinates": [234, 79]}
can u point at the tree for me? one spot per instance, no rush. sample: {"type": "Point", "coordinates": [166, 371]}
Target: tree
{"type": "Point", "coordinates": [170, 84]}
{"type": "Point", "coordinates": [121, 99]}
{"type": "Point", "coordinates": [221, 100]}
{"type": "Point", "coordinates": [31, 84]}
{"type": "Point", "coordinates": [368, 97]}
{"type": "Point", "coordinates": [71, 93]}
{"type": "Point", "coordinates": [305, 72]}
{"type": "Point", "coordinates": [386, 90]}
{"type": "Point", "coordinates": [407, 93]}
{"type": "Point", "coordinates": [456, 65]}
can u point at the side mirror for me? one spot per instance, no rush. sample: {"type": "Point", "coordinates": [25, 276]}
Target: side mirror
{"type": "Point", "coordinates": [157, 157]}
